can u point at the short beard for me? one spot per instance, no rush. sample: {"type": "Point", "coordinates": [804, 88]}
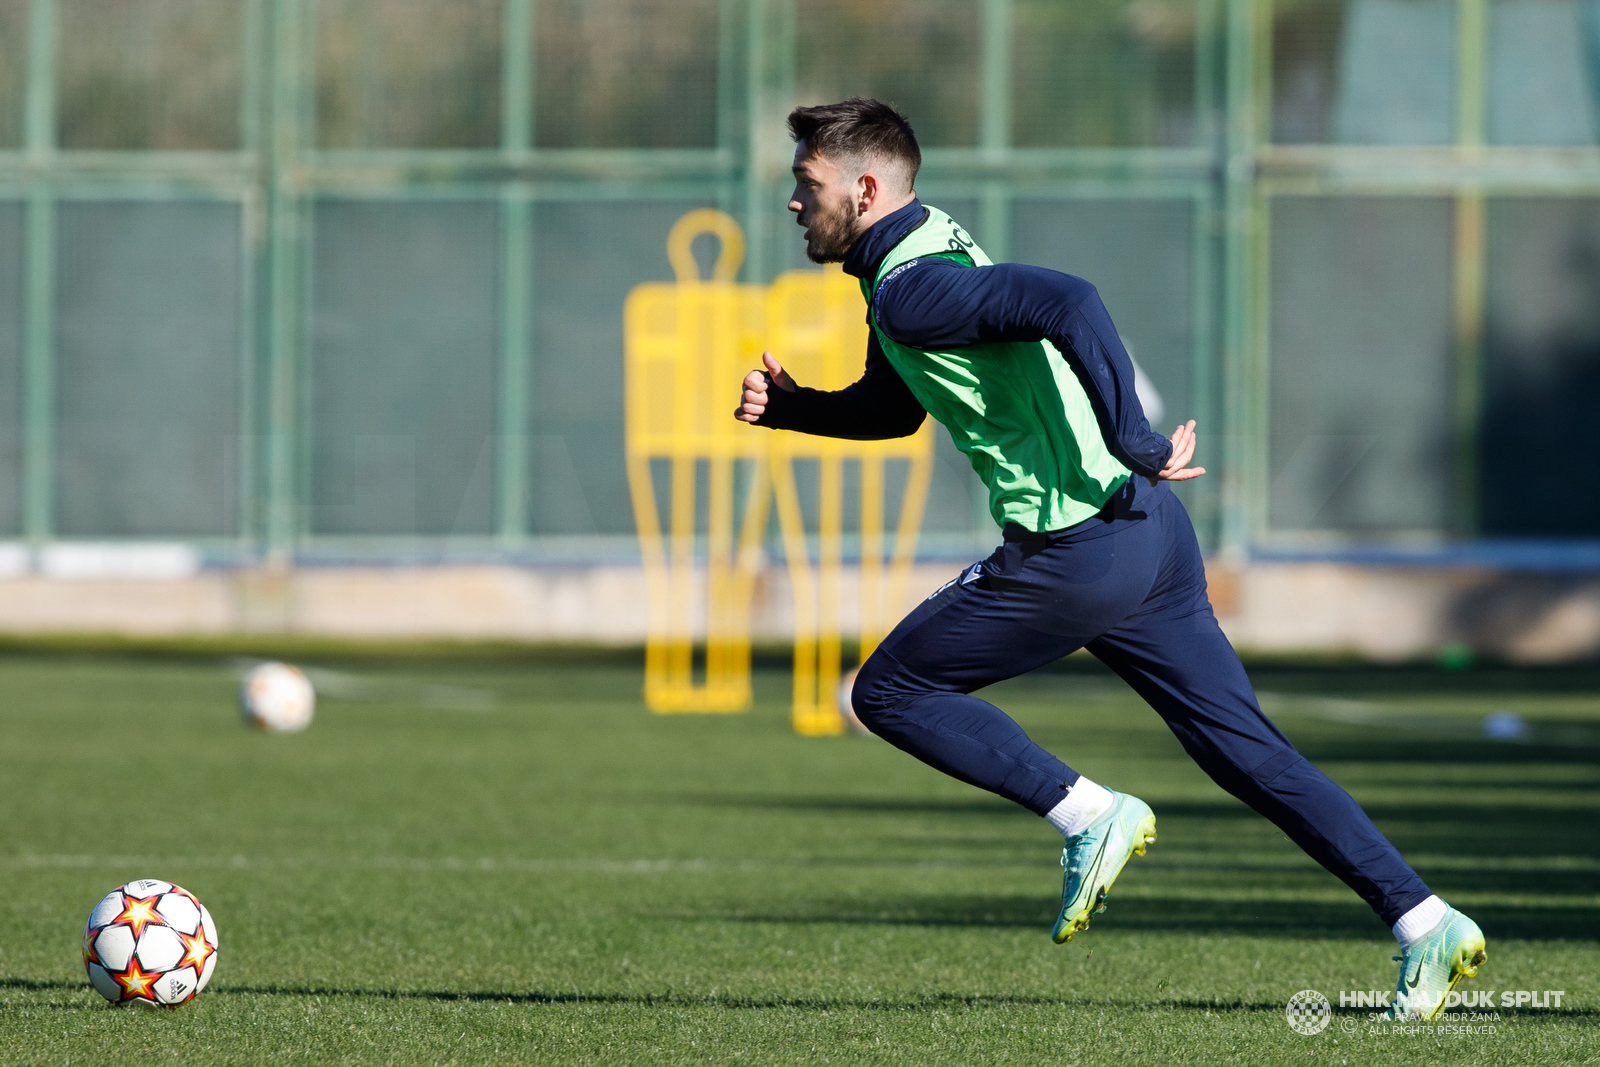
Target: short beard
{"type": "Point", "coordinates": [832, 235]}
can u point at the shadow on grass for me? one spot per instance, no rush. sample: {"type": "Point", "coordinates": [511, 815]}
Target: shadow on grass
{"type": "Point", "coordinates": [41, 985]}
{"type": "Point", "coordinates": [1483, 681]}
{"type": "Point", "coordinates": [1370, 746]}
{"type": "Point", "coordinates": [916, 1003]}
{"type": "Point", "coordinates": [1352, 676]}
{"type": "Point", "coordinates": [1503, 832]}
{"type": "Point", "coordinates": [1506, 832]}
{"type": "Point", "coordinates": [978, 804]}
{"type": "Point", "coordinates": [1440, 823]}
{"type": "Point", "coordinates": [1167, 914]}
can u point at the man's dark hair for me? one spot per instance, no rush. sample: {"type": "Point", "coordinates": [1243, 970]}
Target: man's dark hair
{"type": "Point", "coordinates": [858, 129]}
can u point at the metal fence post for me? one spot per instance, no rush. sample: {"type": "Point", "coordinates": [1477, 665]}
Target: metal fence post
{"type": "Point", "coordinates": [515, 295]}
{"type": "Point", "coordinates": [994, 125]}
{"type": "Point", "coordinates": [770, 44]}
{"type": "Point", "coordinates": [1239, 429]}
{"type": "Point", "coordinates": [252, 252]}
{"type": "Point", "coordinates": [1206, 295]}
{"type": "Point", "coordinates": [281, 152]}
{"type": "Point", "coordinates": [1471, 263]}
{"type": "Point", "coordinates": [994, 146]}
{"type": "Point", "coordinates": [39, 279]}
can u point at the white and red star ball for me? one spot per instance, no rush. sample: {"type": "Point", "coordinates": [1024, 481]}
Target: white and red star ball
{"type": "Point", "coordinates": [150, 943]}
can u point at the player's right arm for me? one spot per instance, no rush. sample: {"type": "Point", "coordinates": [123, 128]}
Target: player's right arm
{"type": "Point", "coordinates": [876, 407]}
{"type": "Point", "coordinates": [937, 302]}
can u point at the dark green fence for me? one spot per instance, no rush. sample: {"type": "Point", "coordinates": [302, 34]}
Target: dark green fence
{"type": "Point", "coordinates": [345, 277]}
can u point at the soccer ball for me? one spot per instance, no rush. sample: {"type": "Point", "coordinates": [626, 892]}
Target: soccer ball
{"type": "Point", "coordinates": [151, 943]}
{"type": "Point", "coordinates": [277, 697]}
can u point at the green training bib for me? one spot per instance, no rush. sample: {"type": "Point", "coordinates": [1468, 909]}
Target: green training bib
{"type": "Point", "coordinates": [1015, 408]}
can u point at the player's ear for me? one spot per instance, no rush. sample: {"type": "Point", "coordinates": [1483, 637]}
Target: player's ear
{"type": "Point", "coordinates": [867, 190]}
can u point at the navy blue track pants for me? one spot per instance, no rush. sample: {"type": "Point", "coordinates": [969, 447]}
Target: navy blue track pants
{"type": "Point", "coordinates": [1134, 594]}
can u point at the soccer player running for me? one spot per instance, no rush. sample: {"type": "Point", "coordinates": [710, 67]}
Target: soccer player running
{"type": "Point", "coordinates": [1024, 368]}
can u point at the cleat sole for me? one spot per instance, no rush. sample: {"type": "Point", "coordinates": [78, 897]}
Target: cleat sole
{"type": "Point", "coordinates": [1470, 955]}
{"type": "Point", "coordinates": [1144, 834]}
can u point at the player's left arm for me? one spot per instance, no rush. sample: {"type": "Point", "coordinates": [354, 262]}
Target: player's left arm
{"type": "Point", "coordinates": [877, 407]}
{"type": "Point", "coordinates": [938, 303]}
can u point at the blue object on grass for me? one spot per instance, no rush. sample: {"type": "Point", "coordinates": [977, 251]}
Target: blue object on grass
{"type": "Point", "coordinates": [1505, 726]}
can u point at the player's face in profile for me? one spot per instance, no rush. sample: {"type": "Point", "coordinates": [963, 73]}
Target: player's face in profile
{"type": "Point", "coordinates": [823, 203]}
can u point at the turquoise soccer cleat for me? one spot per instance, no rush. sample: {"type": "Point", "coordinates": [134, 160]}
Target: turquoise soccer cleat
{"type": "Point", "coordinates": [1094, 858]}
{"type": "Point", "coordinates": [1433, 966]}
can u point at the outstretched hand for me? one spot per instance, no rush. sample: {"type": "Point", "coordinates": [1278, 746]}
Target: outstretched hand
{"type": "Point", "coordinates": [753, 402]}
{"type": "Point", "coordinates": [1183, 439]}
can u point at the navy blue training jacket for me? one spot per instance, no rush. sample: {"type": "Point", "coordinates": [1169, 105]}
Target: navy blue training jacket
{"type": "Point", "coordinates": [936, 304]}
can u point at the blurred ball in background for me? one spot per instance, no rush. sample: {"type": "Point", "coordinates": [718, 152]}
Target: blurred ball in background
{"type": "Point", "coordinates": [277, 697]}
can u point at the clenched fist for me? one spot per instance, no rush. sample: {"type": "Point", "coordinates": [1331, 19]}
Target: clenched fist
{"type": "Point", "coordinates": [754, 399]}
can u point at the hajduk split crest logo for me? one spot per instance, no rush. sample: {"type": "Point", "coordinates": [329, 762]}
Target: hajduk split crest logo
{"type": "Point", "coordinates": [1309, 1012]}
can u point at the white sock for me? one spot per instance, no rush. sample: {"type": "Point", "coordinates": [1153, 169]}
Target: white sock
{"type": "Point", "coordinates": [1419, 921]}
{"type": "Point", "coordinates": [1084, 803]}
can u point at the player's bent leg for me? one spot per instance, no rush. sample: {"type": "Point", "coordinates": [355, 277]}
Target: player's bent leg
{"type": "Point", "coordinates": [1173, 653]}
{"type": "Point", "coordinates": [1034, 601]}
{"type": "Point", "coordinates": [1225, 732]}
{"type": "Point", "coordinates": [974, 741]}
{"type": "Point", "coordinates": [1029, 604]}
{"type": "Point", "coordinates": [928, 713]}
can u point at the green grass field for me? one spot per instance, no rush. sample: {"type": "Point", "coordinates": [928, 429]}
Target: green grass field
{"type": "Point", "coordinates": [511, 861]}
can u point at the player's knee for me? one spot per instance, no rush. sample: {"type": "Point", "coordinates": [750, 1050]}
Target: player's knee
{"type": "Point", "coordinates": [872, 695]}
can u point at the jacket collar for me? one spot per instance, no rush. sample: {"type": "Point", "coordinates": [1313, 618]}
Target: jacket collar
{"type": "Point", "coordinates": [867, 255]}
